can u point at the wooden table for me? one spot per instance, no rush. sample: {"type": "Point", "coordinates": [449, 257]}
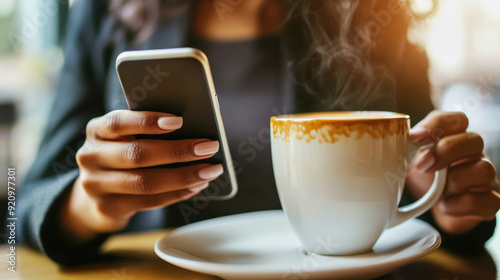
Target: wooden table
{"type": "Point", "coordinates": [133, 259]}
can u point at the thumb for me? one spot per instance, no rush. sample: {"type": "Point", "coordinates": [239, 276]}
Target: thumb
{"type": "Point", "coordinates": [419, 135]}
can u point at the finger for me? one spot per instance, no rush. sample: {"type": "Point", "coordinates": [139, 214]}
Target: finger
{"type": "Point", "coordinates": [451, 149]}
{"type": "Point", "coordinates": [123, 205]}
{"type": "Point", "coordinates": [496, 192]}
{"type": "Point", "coordinates": [438, 125]}
{"type": "Point", "coordinates": [484, 205]}
{"type": "Point", "coordinates": [119, 123]}
{"type": "Point", "coordinates": [147, 153]}
{"type": "Point", "coordinates": [150, 181]}
{"type": "Point", "coordinates": [477, 175]}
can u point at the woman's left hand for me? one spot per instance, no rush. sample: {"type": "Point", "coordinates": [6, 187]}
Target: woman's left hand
{"type": "Point", "coordinates": [472, 189]}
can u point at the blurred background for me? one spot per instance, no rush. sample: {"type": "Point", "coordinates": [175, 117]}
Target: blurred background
{"type": "Point", "coordinates": [461, 37]}
{"type": "Point", "coordinates": [31, 33]}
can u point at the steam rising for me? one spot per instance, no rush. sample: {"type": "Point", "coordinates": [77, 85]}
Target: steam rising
{"type": "Point", "coordinates": [331, 56]}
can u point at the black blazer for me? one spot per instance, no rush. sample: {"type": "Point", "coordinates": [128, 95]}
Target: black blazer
{"type": "Point", "coordinates": [88, 87]}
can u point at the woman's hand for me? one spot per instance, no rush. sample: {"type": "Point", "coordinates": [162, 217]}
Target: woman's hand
{"type": "Point", "coordinates": [113, 185]}
{"type": "Point", "coordinates": [471, 193]}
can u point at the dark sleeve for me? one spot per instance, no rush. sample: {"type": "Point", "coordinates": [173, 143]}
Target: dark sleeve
{"type": "Point", "coordinates": [413, 89]}
{"type": "Point", "coordinates": [78, 99]}
{"type": "Point", "coordinates": [413, 98]}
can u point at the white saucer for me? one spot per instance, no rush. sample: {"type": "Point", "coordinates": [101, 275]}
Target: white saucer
{"type": "Point", "coordinates": [261, 245]}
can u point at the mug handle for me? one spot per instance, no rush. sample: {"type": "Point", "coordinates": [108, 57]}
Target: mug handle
{"type": "Point", "coordinates": [430, 197]}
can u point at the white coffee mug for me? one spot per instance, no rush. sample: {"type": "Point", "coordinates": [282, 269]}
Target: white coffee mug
{"type": "Point", "coordinates": [340, 177]}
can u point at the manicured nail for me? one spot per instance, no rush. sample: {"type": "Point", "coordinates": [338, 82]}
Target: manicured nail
{"type": "Point", "coordinates": [170, 123]}
{"type": "Point", "coordinates": [425, 162]}
{"type": "Point", "coordinates": [206, 148]}
{"type": "Point", "coordinates": [199, 188]}
{"type": "Point", "coordinates": [210, 172]}
{"type": "Point", "coordinates": [418, 133]}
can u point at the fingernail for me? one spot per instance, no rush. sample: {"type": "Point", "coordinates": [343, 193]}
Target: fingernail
{"type": "Point", "coordinates": [199, 187]}
{"type": "Point", "coordinates": [418, 133]}
{"type": "Point", "coordinates": [169, 123]}
{"type": "Point", "coordinates": [210, 172]}
{"type": "Point", "coordinates": [206, 148]}
{"type": "Point", "coordinates": [425, 162]}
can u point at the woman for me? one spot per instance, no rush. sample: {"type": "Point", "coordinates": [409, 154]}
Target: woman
{"type": "Point", "coordinates": [267, 57]}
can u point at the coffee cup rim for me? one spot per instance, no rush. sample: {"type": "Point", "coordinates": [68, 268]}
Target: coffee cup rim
{"type": "Point", "coordinates": [314, 116]}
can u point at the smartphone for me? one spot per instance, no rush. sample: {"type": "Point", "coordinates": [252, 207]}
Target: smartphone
{"type": "Point", "coordinates": [178, 81]}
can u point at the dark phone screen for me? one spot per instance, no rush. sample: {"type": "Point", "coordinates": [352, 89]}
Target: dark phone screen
{"type": "Point", "coordinates": [177, 86]}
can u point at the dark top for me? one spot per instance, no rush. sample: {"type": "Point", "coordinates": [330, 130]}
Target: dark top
{"type": "Point", "coordinates": [247, 77]}
{"type": "Point", "coordinates": [252, 80]}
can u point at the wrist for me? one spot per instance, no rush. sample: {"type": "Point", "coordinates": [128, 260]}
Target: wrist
{"type": "Point", "coordinates": [71, 220]}
{"type": "Point", "coordinates": [454, 225]}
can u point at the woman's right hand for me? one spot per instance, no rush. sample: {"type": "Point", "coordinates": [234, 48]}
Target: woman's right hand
{"type": "Point", "coordinates": [113, 185]}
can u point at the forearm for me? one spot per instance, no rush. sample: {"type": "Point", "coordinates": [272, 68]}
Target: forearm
{"type": "Point", "coordinates": [38, 226]}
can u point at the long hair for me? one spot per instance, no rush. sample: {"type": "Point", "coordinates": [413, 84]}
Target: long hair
{"type": "Point", "coordinates": [343, 52]}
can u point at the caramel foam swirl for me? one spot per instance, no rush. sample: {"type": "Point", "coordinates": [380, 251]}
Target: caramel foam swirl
{"type": "Point", "coordinates": [329, 127]}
